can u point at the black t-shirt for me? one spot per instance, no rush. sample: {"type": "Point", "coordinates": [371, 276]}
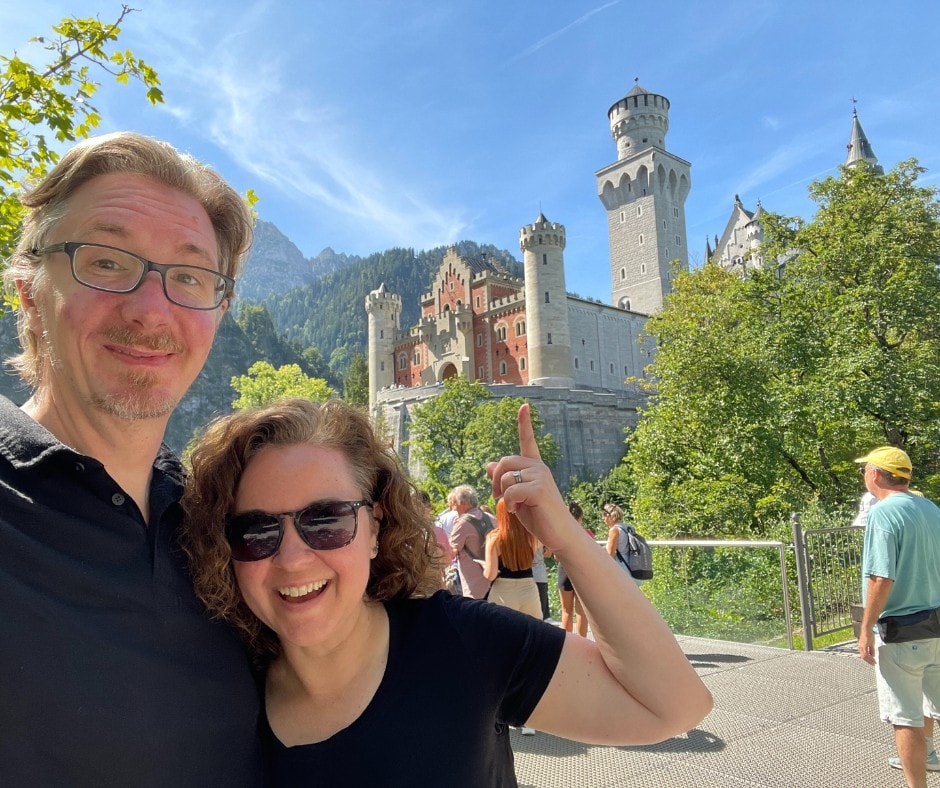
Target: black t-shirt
{"type": "Point", "coordinates": [458, 672]}
{"type": "Point", "coordinates": [111, 673]}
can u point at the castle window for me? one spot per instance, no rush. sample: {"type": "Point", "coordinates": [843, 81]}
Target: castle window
{"type": "Point", "coordinates": [544, 259]}
{"type": "Point", "coordinates": [547, 300]}
{"type": "Point", "coordinates": [520, 328]}
{"type": "Point", "coordinates": [664, 224]}
{"type": "Point", "coordinates": [381, 366]}
{"type": "Point", "coordinates": [642, 268]}
{"type": "Point", "coordinates": [576, 362]}
{"type": "Point", "coordinates": [623, 274]}
{"type": "Point", "coordinates": [626, 374]}
{"type": "Point", "coordinates": [478, 302]}
{"type": "Point", "coordinates": [402, 361]}
{"type": "Point", "coordinates": [417, 358]}
{"type": "Point", "coordinates": [641, 239]}
{"type": "Point", "coordinates": [452, 287]}
{"type": "Point", "coordinates": [675, 212]}
{"type": "Point", "coordinates": [479, 373]}
{"type": "Point", "coordinates": [381, 333]}
{"type": "Point", "coordinates": [549, 339]}
{"type": "Point", "coordinates": [611, 369]}
{"type": "Point", "coordinates": [479, 340]}
{"type": "Point", "coordinates": [522, 362]}
{"type": "Point", "coordinates": [623, 216]}
{"type": "Point", "coordinates": [639, 210]}
{"type": "Point", "coordinates": [678, 241]}
{"type": "Point", "coordinates": [502, 367]}
{"type": "Point", "coordinates": [501, 333]}
{"type": "Point", "coordinates": [592, 366]}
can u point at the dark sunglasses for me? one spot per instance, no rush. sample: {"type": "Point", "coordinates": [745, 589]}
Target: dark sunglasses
{"type": "Point", "coordinates": [323, 525]}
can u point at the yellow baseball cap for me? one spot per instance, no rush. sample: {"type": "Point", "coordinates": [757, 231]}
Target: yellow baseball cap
{"type": "Point", "coordinates": [890, 459]}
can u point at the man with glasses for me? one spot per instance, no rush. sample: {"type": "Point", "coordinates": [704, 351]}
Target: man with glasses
{"type": "Point", "coordinates": [113, 674]}
{"type": "Point", "coordinates": [901, 586]}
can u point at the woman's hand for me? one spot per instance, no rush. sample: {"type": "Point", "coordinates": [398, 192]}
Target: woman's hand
{"type": "Point", "coordinates": [527, 486]}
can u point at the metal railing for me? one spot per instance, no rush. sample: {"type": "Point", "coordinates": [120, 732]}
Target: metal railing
{"type": "Point", "coordinates": [828, 570]}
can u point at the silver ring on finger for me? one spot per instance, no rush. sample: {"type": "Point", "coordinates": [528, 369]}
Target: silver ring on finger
{"type": "Point", "coordinates": [517, 475]}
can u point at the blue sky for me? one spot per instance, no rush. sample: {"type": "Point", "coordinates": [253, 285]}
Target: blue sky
{"type": "Point", "coordinates": [366, 124]}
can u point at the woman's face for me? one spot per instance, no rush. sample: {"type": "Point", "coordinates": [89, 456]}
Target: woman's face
{"type": "Point", "coordinates": [308, 597]}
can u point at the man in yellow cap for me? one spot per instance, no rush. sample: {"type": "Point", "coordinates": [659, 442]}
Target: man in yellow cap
{"type": "Point", "coordinates": [901, 576]}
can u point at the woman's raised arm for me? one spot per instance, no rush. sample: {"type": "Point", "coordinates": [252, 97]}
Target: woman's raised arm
{"type": "Point", "coordinates": [631, 684]}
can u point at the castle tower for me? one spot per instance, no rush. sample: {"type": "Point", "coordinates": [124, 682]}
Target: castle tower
{"type": "Point", "coordinates": [859, 148]}
{"type": "Point", "coordinates": [384, 309]}
{"type": "Point", "coordinates": [644, 193]}
{"type": "Point", "coordinates": [546, 303]}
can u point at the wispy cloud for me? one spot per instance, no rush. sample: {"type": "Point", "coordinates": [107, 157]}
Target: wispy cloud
{"type": "Point", "coordinates": [299, 143]}
{"type": "Point", "coordinates": [558, 33]}
{"type": "Point", "coordinates": [785, 159]}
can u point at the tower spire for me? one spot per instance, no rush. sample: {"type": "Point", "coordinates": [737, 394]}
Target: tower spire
{"type": "Point", "coordinates": [859, 148]}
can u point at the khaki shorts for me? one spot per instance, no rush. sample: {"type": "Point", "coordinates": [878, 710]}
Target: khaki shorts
{"type": "Point", "coordinates": [908, 679]}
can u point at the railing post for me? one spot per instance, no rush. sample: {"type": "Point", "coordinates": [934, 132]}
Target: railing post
{"type": "Point", "coordinates": [802, 581]}
{"type": "Point", "coordinates": [782, 553]}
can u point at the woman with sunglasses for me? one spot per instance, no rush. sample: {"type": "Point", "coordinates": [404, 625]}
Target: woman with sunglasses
{"type": "Point", "coordinates": [302, 532]}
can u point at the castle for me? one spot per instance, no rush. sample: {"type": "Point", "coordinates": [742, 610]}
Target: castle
{"type": "Point", "coordinates": [575, 359]}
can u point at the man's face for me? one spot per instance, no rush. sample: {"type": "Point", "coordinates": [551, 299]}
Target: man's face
{"type": "Point", "coordinates": [461, 507]}
{"type": "Point", "coordinates": [131, 355]}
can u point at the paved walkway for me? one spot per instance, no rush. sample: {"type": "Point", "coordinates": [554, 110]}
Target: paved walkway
{"type": "Point", "coordinates": [781, 718]}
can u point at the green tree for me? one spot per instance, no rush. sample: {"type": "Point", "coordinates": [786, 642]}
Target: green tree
{"type": "Point", "coordinates": [264, 384]}
{"type": "Point", "coordinates": [457, 432]}
{"type": "Point", "coordinates": [493, 432]}
{"type": "Point", "coordinates": [55, 99]}
{"type": "Point", "coordinates": [356, 382]}
{"type": "Point", "coordinates": [766, 388]}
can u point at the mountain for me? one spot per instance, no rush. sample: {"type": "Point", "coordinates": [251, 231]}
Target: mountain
{"type": "Point", "coordinates": [275, 265]}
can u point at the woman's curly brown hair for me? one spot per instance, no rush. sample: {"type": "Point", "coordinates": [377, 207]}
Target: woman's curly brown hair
{"type": "Point", "coordinates": [408, 562]}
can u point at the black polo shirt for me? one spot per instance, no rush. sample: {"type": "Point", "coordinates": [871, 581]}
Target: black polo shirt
{"type": "Point", "coordinates": [111, 673]}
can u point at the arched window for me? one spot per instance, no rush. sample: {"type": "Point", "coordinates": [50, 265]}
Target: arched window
{"type": "Point", "coordinates": [402, 361]}
{"type": "Point", "coordinates": [522, 362]}
{"type": "Point", "coordinates": [502, 367]}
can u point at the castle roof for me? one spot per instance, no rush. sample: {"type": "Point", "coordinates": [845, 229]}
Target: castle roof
{"type": "Point", "coordinates": [859, 148]}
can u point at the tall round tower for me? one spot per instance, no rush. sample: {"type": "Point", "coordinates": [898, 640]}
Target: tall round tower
{"type": "Point", "coordinates": [384, 309]}
{"type": "Point", "coordinates": [546, 303]}
{"type": "Point", "coordinates": [644, 193]}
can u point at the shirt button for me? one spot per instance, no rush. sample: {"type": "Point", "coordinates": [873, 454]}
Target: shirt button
{"type": "Point", "coordinates": [79, 467]}
{"type": "Point", "coordinates": [117, 499]}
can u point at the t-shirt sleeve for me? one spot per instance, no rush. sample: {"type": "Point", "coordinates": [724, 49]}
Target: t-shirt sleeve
{"type": "Point", "coordinates": [880, 546]}
{"type": "Point", "coordinates": [515, 652]}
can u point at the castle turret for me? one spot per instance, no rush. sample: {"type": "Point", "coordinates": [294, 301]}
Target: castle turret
{"type": "Point", "coordinates": [644, 193]}
{"type": "Point", "coordinates": [546, 302]}
{"type": "Point", "coordinates": [859, 148]}
{"type": "Point", "coordinates": [384, 309]}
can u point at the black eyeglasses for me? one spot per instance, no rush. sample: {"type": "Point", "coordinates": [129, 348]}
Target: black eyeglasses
{"type": "Point", "coordinates": [115, 270]}
{"type": "Point", "coordinates": [323, 525]}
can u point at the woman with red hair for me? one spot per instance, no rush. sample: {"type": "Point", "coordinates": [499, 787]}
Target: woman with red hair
{"type": "Point", "coordinates": [508, 564]}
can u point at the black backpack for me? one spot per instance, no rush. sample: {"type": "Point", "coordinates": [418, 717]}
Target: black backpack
{"type": "Point", "coordinates": [639, 558]}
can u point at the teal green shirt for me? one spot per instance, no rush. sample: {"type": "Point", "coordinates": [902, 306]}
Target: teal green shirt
{"type": "Point", "coordinates": [902, 543]}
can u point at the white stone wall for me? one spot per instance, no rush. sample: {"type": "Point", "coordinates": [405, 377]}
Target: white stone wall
{"type": "Point", "coordinates": [588, 425]}
{"type": "Point", "coordinates": [605, 345]}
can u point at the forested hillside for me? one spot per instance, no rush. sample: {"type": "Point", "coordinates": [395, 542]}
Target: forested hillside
{"type": "Point", "coordinates": [329, 313]}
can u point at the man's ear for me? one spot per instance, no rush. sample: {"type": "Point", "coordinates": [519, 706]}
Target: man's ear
{"type": "Point", "coordinates": [28, 304]}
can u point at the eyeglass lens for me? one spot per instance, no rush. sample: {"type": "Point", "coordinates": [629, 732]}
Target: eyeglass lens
{"type": "Point", "coordinates": [323, 526]}
{"type": "Point", "coordinates": [117, 271]}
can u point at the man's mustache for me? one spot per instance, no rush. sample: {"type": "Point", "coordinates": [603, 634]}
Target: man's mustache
{"type": "Point", "coordinates": [162, 343]}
